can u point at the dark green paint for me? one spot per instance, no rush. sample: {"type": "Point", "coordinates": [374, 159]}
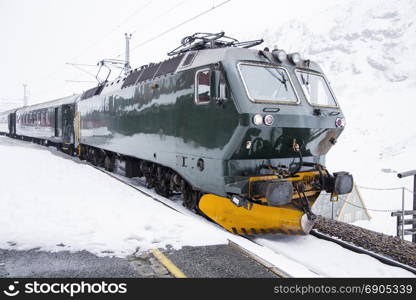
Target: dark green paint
{"type": "Point", "coordinates": [165, 125]}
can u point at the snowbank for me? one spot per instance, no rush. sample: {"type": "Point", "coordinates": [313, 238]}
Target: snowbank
{"type": "Point", "coordinates": [47, 200]}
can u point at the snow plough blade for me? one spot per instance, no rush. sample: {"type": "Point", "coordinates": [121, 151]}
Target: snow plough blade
{"type": "Point", "coordinates": [255, 219]}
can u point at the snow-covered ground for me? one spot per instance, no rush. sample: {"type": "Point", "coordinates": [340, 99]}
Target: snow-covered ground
{"type": "Point", "coordinates": [47, 200]}
{"type": "Point", "coordinates": [367, 50]}
{"type": "Point", "coordinates": [53, 202]}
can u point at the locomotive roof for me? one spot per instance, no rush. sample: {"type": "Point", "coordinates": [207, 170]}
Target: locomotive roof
{"type": "Point", "coordinates": [209, 56]}
{"type": "Point", "coordinates": [180, 63]}
{"type": "Point", "coordinates": [52, 103]}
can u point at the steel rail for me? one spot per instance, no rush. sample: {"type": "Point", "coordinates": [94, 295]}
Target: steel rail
{"type": "Point", "coordinates": [384, 259]}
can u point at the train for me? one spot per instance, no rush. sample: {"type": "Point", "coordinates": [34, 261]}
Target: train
{"type": "Point", "coordinates": [241, 133]}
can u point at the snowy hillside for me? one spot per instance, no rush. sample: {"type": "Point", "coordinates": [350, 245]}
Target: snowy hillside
{"type": "Point", "coordinates": [367, 50]}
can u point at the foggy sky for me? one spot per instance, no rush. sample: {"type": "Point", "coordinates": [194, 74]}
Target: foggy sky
{"type": "Point", "coordinates": [39, 37]}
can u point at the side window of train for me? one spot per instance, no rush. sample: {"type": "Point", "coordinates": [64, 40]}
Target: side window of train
{"type": "Point", "coordinates": [202, 87]}
{"type": "Point", "coordinates": [42, 118]}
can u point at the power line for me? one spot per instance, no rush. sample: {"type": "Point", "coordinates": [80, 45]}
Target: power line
{"type": "Point", "coordinates": [178, 25]}
{"type": "Point", "coordinates": [138, 10]}
{"type": "Point", "coordinates": [77, 66]}
{"type": "Point", "coordinates": [166, 12]}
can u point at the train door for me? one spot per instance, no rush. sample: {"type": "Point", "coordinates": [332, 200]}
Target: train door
{"type": "Point", "coordinates": [58, 121]}
{"type": "Point", "coordinates": [77, 129]}
{"type": "Point", "coordinates": [213, 118]}
{"type": "Point", "coordinates": [68, 124]}
{"type": "Point", "coordinates": [12, 123]}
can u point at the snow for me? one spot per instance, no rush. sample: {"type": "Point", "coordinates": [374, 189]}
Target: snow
{"type": "Point", "coordinates": [328, 259]}
{"type": "Point", "coordinates": [49, 199]}
{"type": "Point", "coordinates": [366, 49]}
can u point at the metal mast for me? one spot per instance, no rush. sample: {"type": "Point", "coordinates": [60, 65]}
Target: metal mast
{"type": "Point", "coordinates": [127, 66]}
{"type": "Point", "coordinates": [25, 94]}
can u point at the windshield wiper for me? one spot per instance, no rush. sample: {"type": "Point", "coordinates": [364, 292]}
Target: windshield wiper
{"type": "Point", "coordinates": [306, 82]}
{"type": "Point", "coordinates": [282, 80]}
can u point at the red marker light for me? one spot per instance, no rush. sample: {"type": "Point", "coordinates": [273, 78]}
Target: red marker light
{"type": "Point", "coordinates": [340, 122]}
{"type": "Point", "coordinates": [268, 120]}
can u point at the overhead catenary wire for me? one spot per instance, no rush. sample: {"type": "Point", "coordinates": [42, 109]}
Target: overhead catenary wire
{"type": "Point", "coordinates": [166, 12]}
{"type": "Point", "coordinates": [138, 10]}
{"type": "Point", "coordinates": [117, 27]}
{"type": "Point", "coordinates": [178, 25]}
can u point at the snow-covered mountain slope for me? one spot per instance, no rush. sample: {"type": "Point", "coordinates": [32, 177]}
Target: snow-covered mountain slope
{"type": "Point", "coordinates": [373, 38]}
{"type": "Point", "coordinates": [367, 50]}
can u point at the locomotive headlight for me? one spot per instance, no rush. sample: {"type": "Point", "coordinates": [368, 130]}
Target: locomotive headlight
{"type": "Point", "coordinates": [340, 122]}
{"type": "Point", "coordinates": [258, 119]}
{"type": "Point", "coordinates": [268, 120]}
{"type": "Point", "coordinates": [280, 55]}
{"type": "Point", "coordinates": [295, 58]}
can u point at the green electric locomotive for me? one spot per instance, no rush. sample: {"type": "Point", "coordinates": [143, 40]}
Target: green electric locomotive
{"type": "Point", "coordinates": [241, 133]}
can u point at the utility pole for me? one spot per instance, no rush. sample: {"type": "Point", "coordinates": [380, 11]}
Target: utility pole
{"type": "Point", "coordinates": [25, 94]}
{"type": "Point", "coordinates": [127, 66]}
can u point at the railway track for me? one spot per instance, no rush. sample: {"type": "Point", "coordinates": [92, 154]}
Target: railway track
{"type": "Point", "coordinates": [388, 249]}
{"type": "Point", "coordinates": [176, 205]}
{"type": "Point", "coordinates": [357, 249]}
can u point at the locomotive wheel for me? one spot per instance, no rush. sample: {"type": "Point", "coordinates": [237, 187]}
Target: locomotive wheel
{"type": "Point", "coordinates": [92, 157]}
{"type": "Point", "coordinates": [162, 188]}
{"type": "Point", "coordinates": [109, 163]}
{"type": "Point", "coordinates": [190, 198]}
{"type": "Point", "coordinates": [162, 183]}
{"type": "Point", "coordinates": [150, 176]}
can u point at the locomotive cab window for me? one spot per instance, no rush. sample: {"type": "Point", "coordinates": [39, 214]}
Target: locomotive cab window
{"type": "Point", "coordinates": [267, 84]}
{"type": "Point", "coordinates": [203, 87]}
{"type": "Point", "coordinates": [316, 89]}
